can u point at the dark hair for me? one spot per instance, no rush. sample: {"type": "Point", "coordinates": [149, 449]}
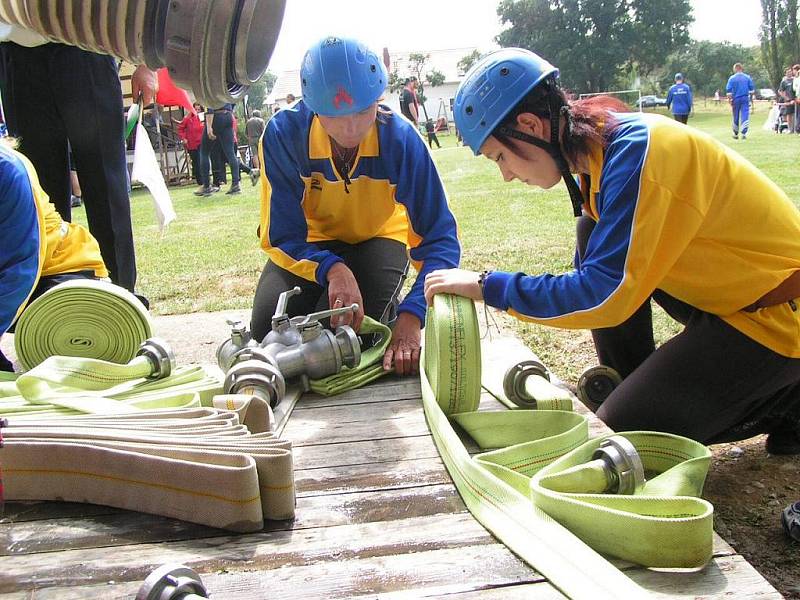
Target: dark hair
{"type": "Point", "coordinates": [588, 120]}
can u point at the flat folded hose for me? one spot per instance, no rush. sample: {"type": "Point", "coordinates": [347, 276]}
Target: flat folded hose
{"type": "Point", "coordinates": [536, 488]}
{"type": "Point", "coordinates": [82, 317]}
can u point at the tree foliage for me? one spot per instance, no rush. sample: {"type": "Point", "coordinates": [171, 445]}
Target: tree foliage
{"type": "Point", "coordinates": [466, 61]}
{"type": "Point", "coordinates": [780, 38]}
{"type": "Point", "coordinates": [260, 90]}
{"type": "Point", "coordinates": [707, 66]}
{"type": "Point", "coordinates": [592, 41]}
{"type": "Point", "coordinates": [417, 66]}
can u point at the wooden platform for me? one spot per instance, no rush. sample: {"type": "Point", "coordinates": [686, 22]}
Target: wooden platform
{"type": "Point", "coordinates": [377, 515]}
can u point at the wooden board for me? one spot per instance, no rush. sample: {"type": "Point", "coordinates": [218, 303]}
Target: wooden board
{"type": "Point", "coordinates": [377, 515]}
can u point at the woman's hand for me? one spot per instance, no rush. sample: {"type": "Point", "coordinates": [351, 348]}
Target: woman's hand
{"type": "Point", "coordinates": [403, 351]}
{"type": "Point", "coordinates": [144, 82]}
{"type": "Point", "coordinates": [452, 281]}
{"type": "Point", "coordinates": [343, 291]}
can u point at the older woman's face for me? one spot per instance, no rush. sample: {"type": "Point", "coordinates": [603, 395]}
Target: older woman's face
{"type": "Point", "coordinates": [349, 130]}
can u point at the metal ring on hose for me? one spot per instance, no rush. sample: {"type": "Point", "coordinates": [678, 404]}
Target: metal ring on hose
{"type": "Point", "coordinates": [514, 381]}
{"type": "Point", "coordinates": [82, 317]}
{"type": "Point", "coordinates": [623, 463]}
{"type": "Point", "coordinates": [596, 383]}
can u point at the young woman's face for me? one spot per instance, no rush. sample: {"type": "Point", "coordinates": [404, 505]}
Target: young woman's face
{"type": "Point", "coordinates": [349, 130]}
{"type": "Point", "coordinates": [520, 160]}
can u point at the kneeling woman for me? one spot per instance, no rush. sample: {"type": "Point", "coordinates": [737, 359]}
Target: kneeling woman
{"type": "Point", "coordinates": [348, 193]}
{"type": "Point", "coordinates": [663, 212]}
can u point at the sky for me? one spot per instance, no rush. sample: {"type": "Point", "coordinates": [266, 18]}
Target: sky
{"type": "Point", "coordinates": [415, 25]}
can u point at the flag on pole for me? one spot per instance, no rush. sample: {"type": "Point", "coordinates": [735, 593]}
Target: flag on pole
{"type": "Point", "coordinates": [147, 171]}
{"type": "Point", "coordinates": [171, 95]}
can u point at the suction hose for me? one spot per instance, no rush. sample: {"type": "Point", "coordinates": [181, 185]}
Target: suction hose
{"type": "Point", "coordinates": [214, 48]}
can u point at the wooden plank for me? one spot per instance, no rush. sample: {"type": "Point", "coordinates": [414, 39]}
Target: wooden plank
{"type": "Point", "coordinates": [335, 424]}
{"type": "Point", "coordinates": [412, 573]}
{"type": "Point", "coordinates": [35, 510]}
{"type": "Point", "coordinates": [386, 389]}
{"type": "Point", "coordinates": [364, 452]}
{"type": "Point", "coordinates": [265, 552]}
{"type": "Point", "coordinates": [373, 476]}
{"type": "Point", "coordinates": [55, 535]}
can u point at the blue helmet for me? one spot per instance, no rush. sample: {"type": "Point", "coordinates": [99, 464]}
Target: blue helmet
{"type": "Point", "coordinates": [494, 86]}
{"type": "Point", "coordinates": [678, 76]}
{"type": "Point", "coordinates": [341, 76]}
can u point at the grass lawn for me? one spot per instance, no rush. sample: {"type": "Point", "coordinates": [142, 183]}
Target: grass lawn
{"type": "Point", "coordinates": [210, 259]}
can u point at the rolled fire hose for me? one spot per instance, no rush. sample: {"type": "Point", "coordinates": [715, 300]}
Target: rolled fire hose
{"type": "Point", "coordinates": [538, 481]}
{"type": "Point", "coordinates": [82, 317]}
{"type": "Point", "coordinates": [198, 465]}
{"type": "Point", "coordinates": [369, 368]}
{"type": "Point", "coordinates": [215, 48]}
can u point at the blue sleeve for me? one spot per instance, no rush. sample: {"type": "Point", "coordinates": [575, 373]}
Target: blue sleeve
{"type": "Point", "coordinates": [669, 96]}
{"type": "Point", "coordinates": [750, 85]}
{"type": "Point", "coordinates": [420, 190]}
{"type": "Point", "coordinates": [691, 100]}
{"type": "Point", "coordinates": [601, 272]}
{"type": "Point", "coordinates": [283, 224]}
{"type": "Point", "coordinates": [19, 239]}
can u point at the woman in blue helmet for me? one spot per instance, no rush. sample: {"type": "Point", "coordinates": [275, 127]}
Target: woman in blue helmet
{"type": "Point", "coordinates": [348, 194]}
{"type": "Point", "coordinates": [662, 212]}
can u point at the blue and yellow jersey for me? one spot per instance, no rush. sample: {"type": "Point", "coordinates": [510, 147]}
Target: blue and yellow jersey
{"type": "Point", "coordinates": [676, 211]}
{"type": "Point", "coordinates": [35, 242]}
{"type": "Point", "coordinates": [394, 192]}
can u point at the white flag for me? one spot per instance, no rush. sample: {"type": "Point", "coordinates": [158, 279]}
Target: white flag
{"type": "Point", "coordinates": [147, 171]}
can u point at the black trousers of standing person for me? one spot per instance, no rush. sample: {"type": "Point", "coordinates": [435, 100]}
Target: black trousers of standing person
{"type": "Point", "coordinates": [55, 96]}
{"type": "Point", "coordinates": [219, 174]}
{"type": "Point", "coordinates": [195, 165]}
{"type": "Point", "coordinates": [431, 139]}
{"type": "Point", "coordinates": [222, 127]}
{"type": "Point", "coordinates": [682, 118]}
{"type": "Point", "coordinates": [710, 382]}
{"type": "Point", "coordinates": [379, 265]}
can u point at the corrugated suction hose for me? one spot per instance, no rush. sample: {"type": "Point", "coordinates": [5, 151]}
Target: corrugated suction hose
{"type": "Point", "coordinates": [215, 48]}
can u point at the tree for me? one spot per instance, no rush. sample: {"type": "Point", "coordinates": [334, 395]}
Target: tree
{"type": "Point", "coordinates": [780, 37]}
{"type": "Point", "coordinates": [707, 66]}
{"type": "Point", "coordinates": [593, 40]}
{"type": "Point", "coordinates": [416, 67]}
{"type": "Point", "coordinates": [260, 90]}
{"type": "Point", "coordinates": [466, 62]}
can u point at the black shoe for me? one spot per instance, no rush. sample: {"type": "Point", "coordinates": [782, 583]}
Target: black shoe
{"type": "Point", "coordinates": [736, 136]}
{"type": "Point", "coordinates": [790, 519]}
{"type": "Point", "coordinates": [75, 201]}
{"type": "Point", "coordinates": [204, 191]}
{"type": "Point", "coordinates": [784, 440]}
{"type": "Point", "coordinates": [214, 189]}
{"type": "Point", "coordinates": [143, 300]}
{"type": "Point", "coordinates": [235, 189]}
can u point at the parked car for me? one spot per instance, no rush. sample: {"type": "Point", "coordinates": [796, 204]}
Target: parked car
{"type": "Point", "coordinates": [765, 94]}
{"type": "Point", "coordinates": [650, 102]}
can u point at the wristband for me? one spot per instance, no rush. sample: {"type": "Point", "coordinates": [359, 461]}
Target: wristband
{"type": "Point", "coordinates": [482, 280]}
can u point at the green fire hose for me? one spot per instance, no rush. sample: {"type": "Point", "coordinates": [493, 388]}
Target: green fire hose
{"type": "Point", "coordinates": [538, 487]}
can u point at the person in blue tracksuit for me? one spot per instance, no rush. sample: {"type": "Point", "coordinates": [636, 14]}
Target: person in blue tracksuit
{"type": "Point", "coordinates": [739, 89]}
{"type": "Point", "coordinates": [349, 193]}
{"type": "Point", "coordinates": [679, 99]}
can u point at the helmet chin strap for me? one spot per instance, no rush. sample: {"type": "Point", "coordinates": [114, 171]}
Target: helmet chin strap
{"type": "Point", "coordinates": [553, 148]}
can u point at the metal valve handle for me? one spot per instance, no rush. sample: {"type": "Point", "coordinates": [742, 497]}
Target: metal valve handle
{"type": "Point", "coordinates": [283, 301]}
{"type": "Point", "coordinates": [160, 355]}
{"type": "Point", "coordinates": [622, 464]}
{"type": "Point", "coordinates": [324, 314]}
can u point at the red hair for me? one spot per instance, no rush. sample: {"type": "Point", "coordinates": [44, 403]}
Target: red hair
{"type": "Point", "coordinates": [588, 120]}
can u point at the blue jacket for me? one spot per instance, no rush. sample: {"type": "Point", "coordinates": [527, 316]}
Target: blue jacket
{"type": "Point", "coordinates": [679, 98]}
{"type": "Point", "coordinates": [394, 192]}
{"type": "Point", "coordinates": [740, 85]}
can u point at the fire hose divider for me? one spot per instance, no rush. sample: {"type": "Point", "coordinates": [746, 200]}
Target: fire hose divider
{"type": "Point", "coordinates": [546, 490]}
{"type": "Point", "coordinates": [84, 318]}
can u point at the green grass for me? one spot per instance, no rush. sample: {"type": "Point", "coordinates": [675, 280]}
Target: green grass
{"type": "Point", "coordinates": [210, 259]}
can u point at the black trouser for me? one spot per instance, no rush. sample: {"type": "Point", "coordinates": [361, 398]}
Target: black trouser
{"type": "Point", "coordinates": [682, 118]}
{"type": "Point", "coordinates": [223, 130]}
{"type": "Point", "coordinates": [193, 155]}
{"type": "Point", "coordinates": [432, 138]}
{"type": "Point", "coordinates": [55, 94]}
{"type": "Point", "coordinates": [710, 382]}
{"type": "Point", "coordinates": [219, 175]}
{"type": "Point", "coordinates": [379, 266]}
{"type": "Point", "coordinates": [45, 283]}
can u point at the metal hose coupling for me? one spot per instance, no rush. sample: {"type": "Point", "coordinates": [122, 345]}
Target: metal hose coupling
{"type": "Point", "coordinates": [160, 355]}
{"type": "Point", "coordinates": [256, 377]}
{"type": "Point", "coordinates": [622, 465]}
{"type": "Point", "coordinates": [214, 48]}
{"type": "Point", "coordinates": [516, 378]}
